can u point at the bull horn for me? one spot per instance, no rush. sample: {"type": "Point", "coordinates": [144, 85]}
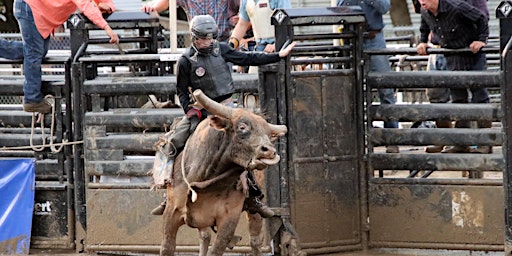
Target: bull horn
{"type": "Point", "coordinates": [280, 130]}
{"type": "Point", "coordinates": [213, 106]}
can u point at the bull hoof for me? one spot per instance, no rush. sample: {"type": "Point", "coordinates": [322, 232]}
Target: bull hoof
{"type": "Point", "coordinates": [234, 241]}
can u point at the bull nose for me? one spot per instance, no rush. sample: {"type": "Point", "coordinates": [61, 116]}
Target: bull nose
{"type": "Point", "coordinates": [268, 151]}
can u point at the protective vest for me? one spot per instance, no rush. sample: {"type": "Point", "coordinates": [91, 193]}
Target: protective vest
{"type": "Point", "coordinates": [210, 73]}
{"type": "Point", "coordinates": [261, 13]}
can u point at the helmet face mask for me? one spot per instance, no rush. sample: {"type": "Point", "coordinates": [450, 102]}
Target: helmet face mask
{"type": "Point", "coordinates": [203, 27]}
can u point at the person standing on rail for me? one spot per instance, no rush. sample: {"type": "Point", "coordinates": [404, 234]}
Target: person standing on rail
{"type": "Point", "coordinates": [37, 21]}
{"type": "Point", "coordinates": [458, 25]}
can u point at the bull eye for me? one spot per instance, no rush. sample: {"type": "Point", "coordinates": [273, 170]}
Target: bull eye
{"type": "Point", "coordinates": [243, 131]}
{"type": "Point", "coordinates": [242, 127]}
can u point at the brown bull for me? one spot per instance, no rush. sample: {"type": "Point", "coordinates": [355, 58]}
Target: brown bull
{"type": "Point", "coordinates": [206, 188]}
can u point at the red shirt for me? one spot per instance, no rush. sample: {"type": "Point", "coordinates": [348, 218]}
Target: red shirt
{"type": "Point", "coordinates": [50, 14]}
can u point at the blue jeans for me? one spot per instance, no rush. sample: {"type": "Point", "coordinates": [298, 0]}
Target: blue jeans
{"type": "Point", "coordinates": [35, 48]}
{"type": "Point", "coordinates": [437, 95]}
{"type": "Point", "coordinates": [262, 43]}
{"type": "Point", "coordinates": [479, 95]}
{"type": "Point", "coordinates": [380, 63]}
{"type": "Point", "coordinates": [12, 50]}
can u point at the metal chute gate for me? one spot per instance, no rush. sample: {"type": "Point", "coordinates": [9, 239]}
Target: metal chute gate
{"type": "Point", "coordinates": [320, 102]}
{"type": "Point", "coordinates": [336, 161]}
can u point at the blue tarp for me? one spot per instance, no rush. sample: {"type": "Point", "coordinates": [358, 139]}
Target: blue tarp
{"type": "Point", "coordinates": [17, 189]}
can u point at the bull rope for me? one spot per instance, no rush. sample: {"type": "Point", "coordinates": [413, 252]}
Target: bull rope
{"type": "Point", "coordinates": [30, 147]}
{"type": "Point", "coordinates": [194, 194]}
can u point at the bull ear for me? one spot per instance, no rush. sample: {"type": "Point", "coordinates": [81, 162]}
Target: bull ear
{"type": "Point", "coordinates": [219, 123]}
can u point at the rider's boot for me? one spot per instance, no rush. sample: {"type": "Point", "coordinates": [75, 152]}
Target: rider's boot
{"type": "Point", "coordinates": [252, 203]}
{"type": "Point", "coordinates": [159, 210]}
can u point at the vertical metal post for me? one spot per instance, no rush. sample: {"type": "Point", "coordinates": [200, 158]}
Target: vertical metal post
{"type": "Point", "coordinates": [68, 154]}
{"type": "Point", "coordinates": [504, 13]}
{"type": "Point", "coordinates": [507, 149]}
{"type": "Point", "coordinates": [507, 145]}
{"type": "Point", "coordinates": [78, 160]}
{"type": "Point", "coordinates": [78, 34]}
{"type": "Point", "coordinates": [273, 96]}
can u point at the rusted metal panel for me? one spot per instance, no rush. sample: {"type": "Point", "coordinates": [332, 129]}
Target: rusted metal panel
{"type": "Point", "coordinates": [422, 112]}
{"type": "Point", "coordinates": [505, 32]}
{"type": "Point", "coordinates": [142, 118]}
{"type": "Point", "coordinates": [51, 221]}
{"type": "Point", "coordinates": [120, 217]}
{"type": "Point", "coordinates": [127, 142]}
{"type": "Point", "coordinates": [320, 15]}
{"type": "Point", "coordinates": [461, 162]}
{"type": "Point", "coordinates": [444, 214]}
{"type": "Point", "coordinates": [433, 79]}
{"type": "Point", "coordinates": [104, 154]}
{"type": "Point", "coordinates": [111, 86]}
{"type": "Point", "coordinates": [117, 219]}
{"type": "Point", "coordinates": [113, 167]}
{"type": "Point", "coordinates": [454, 136]}
{"type": "Point", "coordinates": [324, 174]}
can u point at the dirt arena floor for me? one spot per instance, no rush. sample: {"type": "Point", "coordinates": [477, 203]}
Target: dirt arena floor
{"type": "Point", "coordinates": [380, 252]}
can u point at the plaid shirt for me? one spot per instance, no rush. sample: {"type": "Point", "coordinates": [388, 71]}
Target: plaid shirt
{"type": "Point", "coordinates": [218, 9]}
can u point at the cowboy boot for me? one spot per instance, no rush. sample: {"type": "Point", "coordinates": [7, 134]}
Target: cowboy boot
{"type": "Point", "coordinates": [159, 210]}
{"type": "Point", "coordinates": [439, 148]}
{"type": "Point", "coordinates": [483, 149]}
{"type": "Point", "coordinates": [459, 149]}
{"type": "Point", "coordinates": [254, 205]}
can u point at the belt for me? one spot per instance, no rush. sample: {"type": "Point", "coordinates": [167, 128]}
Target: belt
{"type": "Point", "coordinates": [371, 34]}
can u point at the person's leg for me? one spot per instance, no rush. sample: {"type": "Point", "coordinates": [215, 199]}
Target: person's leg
{"type": "Point", "coordinates": [380, 63]}
{"type": "Point", "coordinates": [171, 148]}
{"type": "Point", "coordinates": [459, 96]}
{"type": "Point", "coordinates": [35, 48]}
{"type": "Point", "coordinates": [481, 95]}
{"type": "Point", "coordinates": [12, 50]}
{"type": "Point", "coordinates": [438, 95]}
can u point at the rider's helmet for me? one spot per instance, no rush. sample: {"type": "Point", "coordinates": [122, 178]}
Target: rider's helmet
{"type": "Point", "coordinates": [203, 26]}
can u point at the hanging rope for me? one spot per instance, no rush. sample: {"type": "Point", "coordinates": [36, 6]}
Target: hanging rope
{"type": "Point", "coordinates": [31, 147]}
{"type": "Point", "coordinates": [41, 119]}
{"type": "Point", "coordinates": [50, 99]}
{"type": "Point", "coordinates": [194, 193]}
